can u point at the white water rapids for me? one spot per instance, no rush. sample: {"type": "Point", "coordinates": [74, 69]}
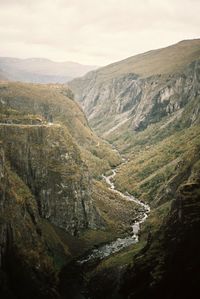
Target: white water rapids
{"type": "Point", "coordinates": [117, 245]}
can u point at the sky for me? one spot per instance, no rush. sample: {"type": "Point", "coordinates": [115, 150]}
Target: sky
{"type": "Point", "coordinates": [95, 32]}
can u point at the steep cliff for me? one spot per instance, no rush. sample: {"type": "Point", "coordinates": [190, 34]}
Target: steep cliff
{"type": "Point", "coordinates": [26, 266]}
{"type": "Point", "coordinates": [51, 207]}
{"type": "Point", "coordinates": [33, 104]}
{"type": "Point", "coordinates": [44, 186]}
{"type": "Point", "coordinates": [49, 162]}
{"type": "Point", "coordinates": [140, 90]}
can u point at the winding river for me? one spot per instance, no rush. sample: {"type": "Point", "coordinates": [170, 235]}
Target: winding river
{"type": "Point", "coordinates": [104, 251]}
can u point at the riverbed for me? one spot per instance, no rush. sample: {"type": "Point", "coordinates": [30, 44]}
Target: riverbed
{"type": "Point", "coordinates": [106, 250]}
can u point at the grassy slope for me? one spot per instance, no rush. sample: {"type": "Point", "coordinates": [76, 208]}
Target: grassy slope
{"type": "Point", "coordinates": [162, 162]}
{"type": "Point", "coordinates": [161, 61]}
{"type": "Point", "coordinates": [165, 254]}
{"type": "Point", "coordinates": [150, 169]}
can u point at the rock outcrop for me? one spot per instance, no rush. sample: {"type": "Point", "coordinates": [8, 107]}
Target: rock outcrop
{"type": "Point", "coordinates": [26, 268]}
{"type": "Point", "coordinates": [48, 161]}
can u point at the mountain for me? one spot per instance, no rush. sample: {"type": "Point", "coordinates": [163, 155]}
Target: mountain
{"type": "Point", "coordinates": [113, 218]}
{"type": "Point", "coordinates": [148, 106]}
{"type": "Point", "coordinates": [40, 70]}
{"type": "Point", "coordinates": [130, 90]}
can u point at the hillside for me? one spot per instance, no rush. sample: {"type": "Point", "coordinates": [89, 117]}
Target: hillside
{"type": "Point", "coordinates": [33, 104]}
{"type": "Point", "coordinates": [161, 61]}
{"type": "Point", "coordinates": [52, 206]}
{"type": "Point", "coordinates": [148, 107]}
{"type": "Point", "coordinates": [131, 90]}
{"type": "Point", "coordinates": [40, 70]}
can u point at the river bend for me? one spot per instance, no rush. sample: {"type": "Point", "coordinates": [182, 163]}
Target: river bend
{"type": "Point", "coordinates": [104, 251]}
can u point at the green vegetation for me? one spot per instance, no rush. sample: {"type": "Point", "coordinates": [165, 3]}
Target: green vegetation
{"type": "Point", "coordinates": [35, 104]}
{"type": "Point", "coordinates": [113, 209]}
{"type": "Point", "coordinates": [151, 169]}
{"type": "Point", "coordinates": [161, 61]}
{"type": "Point", "coordinates": [151, 226]}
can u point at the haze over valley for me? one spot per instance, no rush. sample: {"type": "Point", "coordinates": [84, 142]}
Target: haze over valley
{"type": "Point", "coordinates": [40, 70]}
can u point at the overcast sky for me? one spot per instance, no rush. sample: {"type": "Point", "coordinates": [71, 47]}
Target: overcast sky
{"type": "Point", "coordinates": [94, 31]}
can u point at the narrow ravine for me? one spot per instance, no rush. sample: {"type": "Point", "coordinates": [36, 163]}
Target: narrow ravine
{"type": "Point", "coordinates": [120, 243]}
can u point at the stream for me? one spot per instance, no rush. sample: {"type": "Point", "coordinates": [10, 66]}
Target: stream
{"type": "Point", "coordinates": [104, 251]}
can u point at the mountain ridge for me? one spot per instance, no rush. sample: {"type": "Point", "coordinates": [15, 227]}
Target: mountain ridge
{"type": "Point", "coordinates": [133, 59]}
{"type": "Point", "coordinates": [41, 70]}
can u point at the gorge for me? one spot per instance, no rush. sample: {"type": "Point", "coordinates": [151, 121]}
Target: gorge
{"type": "Point", "coordinates": [105, 205]}
{"type": "Point", "coordinates": [120, 243]}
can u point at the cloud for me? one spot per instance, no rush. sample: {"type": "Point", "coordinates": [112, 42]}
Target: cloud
{"type": "Point", "coordinates": [93, 31]}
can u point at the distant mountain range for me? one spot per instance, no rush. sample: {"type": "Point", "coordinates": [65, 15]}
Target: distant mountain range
{"type": "Point", "coordinates": [41, 70]}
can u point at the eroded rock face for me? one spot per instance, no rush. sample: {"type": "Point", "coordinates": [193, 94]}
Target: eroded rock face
{"type": "Point", "coordinates": [26, 269]}
{"type": "Point", "coordinates": [48, 161]}
{"type": "Point", "coordinates": [109, 104]}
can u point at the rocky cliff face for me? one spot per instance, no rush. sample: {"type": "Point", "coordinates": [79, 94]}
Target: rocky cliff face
{"type": "Point", "coordinates": [44, 186]}
{"type": "Point", "coordinates": [139, 101]}
{"type": "Point", "coordinates": [133, 98]}
{"type": "Point", "coordinates": [48, 161]}
{"type": "Point", "coordinates": [26, 268]}
{"type": "Point", "coordinates": [36, 104]}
